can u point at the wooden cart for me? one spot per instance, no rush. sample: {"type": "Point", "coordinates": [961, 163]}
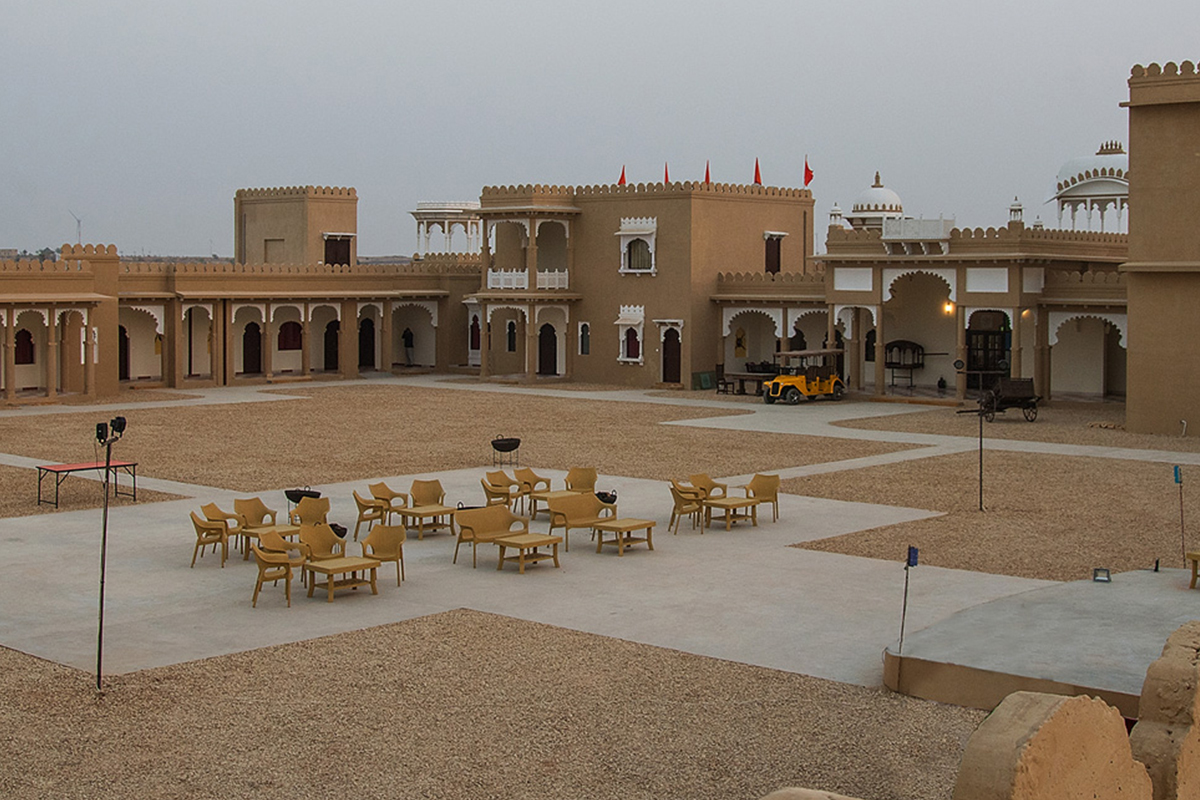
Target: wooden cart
{"type": "Point", "coordinates": [1010, 393]}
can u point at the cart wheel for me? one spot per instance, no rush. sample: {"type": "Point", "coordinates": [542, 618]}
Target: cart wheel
{"type": "Point", "coordinates": [987, 406]}
{"type": "Point", "coordinates": [1030, 413]}
{"type": "Point", "coordinates": [989, 416]}
{"type": "Point", "coordinates": [839, 391]}
{"type": "Point", "coordinates": [791, 396]}
{"type": "Point", "coordinates": [767, 398]}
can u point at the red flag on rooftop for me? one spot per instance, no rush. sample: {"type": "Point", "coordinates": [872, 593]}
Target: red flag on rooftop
{"type": "Point", "coordinates": [808, 173]}
{"type": "Point", "coordinates": [757, 174]}
{"type": "Point", "coordinates": [621, 181]}
{"type": "Point", "coordinates": [666, 175]}
{"type": "Point", "coordinates": [707, 176]}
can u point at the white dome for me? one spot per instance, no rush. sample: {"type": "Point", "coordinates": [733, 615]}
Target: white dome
{"type": "Point", "coordinates": [1107, 173]}
{"type": "Point", "coordinates": [877, 198]}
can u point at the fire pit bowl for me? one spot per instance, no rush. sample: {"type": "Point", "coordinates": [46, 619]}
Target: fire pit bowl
{"type": "Point", "coordinates": [296, 495]}
{"type": "Point", "coordinates": [505, 444]}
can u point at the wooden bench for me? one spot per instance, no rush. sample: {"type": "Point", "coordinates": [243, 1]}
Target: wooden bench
{"type": "Point", "coordinates": [580, 511]}
{"type": "Point", "coordinates": [486, 525]}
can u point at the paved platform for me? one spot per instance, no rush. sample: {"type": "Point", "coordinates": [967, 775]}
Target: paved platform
{"type": "Point", "coordinates": [1079, 637]}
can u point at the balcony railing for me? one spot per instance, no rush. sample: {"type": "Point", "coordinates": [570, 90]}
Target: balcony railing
{"type": "Point", "coordinates": [553, 279]}
{"type": "Point", "coordinates": [519, 279]}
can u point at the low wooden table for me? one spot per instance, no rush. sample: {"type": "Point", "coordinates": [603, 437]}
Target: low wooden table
{"type": "Point", "coordinates": [422, 513]}
{"type": "Point", "coordinates": [332, 567]}
{"type": "Point", "coordinates": [731, 505]}
{"type": "Point", "coordinates": [286, 531]}
{"type": "Point", "coordinates": [624, 528]}
{"type": "Point", "coordinates": [546, 496]}
{"type": "Point", "coordinates": [1193, 557]}
{"type": "Point", "coordinates": [527, 545]}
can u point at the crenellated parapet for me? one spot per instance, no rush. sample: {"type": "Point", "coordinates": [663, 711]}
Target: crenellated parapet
{"type": "Point", "coordinates": [445, 264]}
{"type": "Point", "coordinates": [1184, 69]}
{"type": "Point", "coordinates": [694, 187]}
{"type": "Point", "coordinates": [297, 192]}
{"type": "Point", "coordinates": [763, 278]}
{"type": "Point", "coordinates": [762, 286]}
{"type": "Point", "coordinates": [78, 251]}
{"type": "Point", "coordinates": [34, 266]}
{"type": "Point", "coordinates": [1103, 278]}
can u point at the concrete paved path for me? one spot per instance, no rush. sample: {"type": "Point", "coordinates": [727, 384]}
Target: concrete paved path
{"type": "Point", "coordinates": [741, 595]}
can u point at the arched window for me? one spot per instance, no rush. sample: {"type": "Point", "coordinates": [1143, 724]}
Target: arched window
{"type": "Point", "coordinates": [290, 336]}
{"type": "Point", "coordinates": [585, 339]}
{"type": "Point", "coordinates": [632, 346]}
{"type": "Point", "coordinates": [24, 346]}
{"type": "Point", "coordinates": [512, 337]}
{"type": "Point", "coordinates": [638, 256]}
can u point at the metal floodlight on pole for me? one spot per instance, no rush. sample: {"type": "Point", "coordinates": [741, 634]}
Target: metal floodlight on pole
{"type": "Point", "coordinates": [1182, 537]}
{"type": "Point", "coordinates": [107, 433]}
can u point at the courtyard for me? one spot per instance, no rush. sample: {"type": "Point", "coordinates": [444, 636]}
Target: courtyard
{"type": "Point", "coordinates": [720, 665]}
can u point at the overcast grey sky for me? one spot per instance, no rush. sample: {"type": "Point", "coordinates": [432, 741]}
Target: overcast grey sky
{"type": "Point", "coordinates": [145, 116]}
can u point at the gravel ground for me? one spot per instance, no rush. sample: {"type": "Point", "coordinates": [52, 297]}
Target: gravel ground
{"type": "Point", "coordinates": [18, 493]}
{"type": "Point", "coordinates": [355, 432]}
{"type": "Point", "coordinates": [466, 705]}
{"type": "Point", "coordinates": [1049, 517]}
{"type": "Point", "coordinates": [1060, 422]}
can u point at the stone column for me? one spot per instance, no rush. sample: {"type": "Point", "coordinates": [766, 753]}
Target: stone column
{"type": "Point", "coordinates": [348, 340]}
{"type": "Point", "coordinates": [268, 340]}
{"type": "Point", "coordinates": [89, 355]}
{"type": "Point", "coordinates": [228, 365]}
{"type": "Point", "coordinates": [960, 352]}
{"type": "Point", "coordinates": [1041, 354]}
{"type": "Point", "coordinates": [175, 338]}
{"type": "Point", "coordinates": [1015, 352]}
{"type": "Point", "coordinates": [485, 336]}
{"type": "Point", "coordinates": [10, 356]}
{"type": "Point", "coordinates": [854, 350]}
{"type": "Point", "coordinates": [531, 256]}
{"type": "Point", "coordinates": [305, 339]}
{"type": "Point", "coordinates": [531, 341]}
{"type": "Point", "coordinates": [569, 339]}
{"type": "Point", "coordinates": [880, 353]}
{"type": "Point", "coordinates": [385, 332]}
{"type": "Point", "coordinates": [52, 354]}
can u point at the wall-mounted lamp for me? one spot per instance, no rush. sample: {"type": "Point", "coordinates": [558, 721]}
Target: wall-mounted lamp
{"type": "Point", "coordinates": [948, 308]}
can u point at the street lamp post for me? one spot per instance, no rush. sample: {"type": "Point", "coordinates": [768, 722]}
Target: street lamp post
{"type": "Point", "coordinates": [107, 433]}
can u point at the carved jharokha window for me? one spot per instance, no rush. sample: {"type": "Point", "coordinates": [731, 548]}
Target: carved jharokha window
{"type": "Point", "coordinates": [24, 344]}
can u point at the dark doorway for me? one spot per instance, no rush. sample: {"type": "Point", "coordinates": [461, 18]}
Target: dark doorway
{"type": "Point", "coordinates": [122, 354]}
{"type": "Point", "coordinates": [773, 254]}
{"type": "Point", "coordinates": [988, 341]}
{"type": "Point", "coordinates": [337, 251]}
{"type": "Point", "coordinates": [475, 332]}
{"type": "Point", "coordinates": [252, 349]}
{"type": "Point", "coordinates": [366, 343]}
{"type": "Point", "coordinates": [671, 356]}
{"type": "Point", "coordinates": [331, 346]}
{"type": "Point", "coordinates": [547, 350]}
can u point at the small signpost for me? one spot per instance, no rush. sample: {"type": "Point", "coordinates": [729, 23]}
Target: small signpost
{"type": "Point", "coordinates": [1182, 537]}
{"type": "Point", "coordinates": [909, 563]}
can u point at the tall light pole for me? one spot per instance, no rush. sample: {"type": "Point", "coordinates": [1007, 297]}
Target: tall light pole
{"type": "Point", "coordinates": [104, 437]}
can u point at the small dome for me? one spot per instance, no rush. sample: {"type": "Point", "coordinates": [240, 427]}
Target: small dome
{"type": "Point", "coordinates": [877, 198]}
{"type": "Point", "coordinates": [1109, 164]}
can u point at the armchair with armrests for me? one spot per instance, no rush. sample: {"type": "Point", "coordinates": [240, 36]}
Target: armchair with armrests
{"type": "Point", "coordinates": [765, 489]}
{"type": "Point", "coordinates": [386, 543]}
{"type": "Point", "coordinates": [581, 479]}
{"type": "Point", "coordinates": [272, 567]}
{"type": "Point", "coordinates": [687, 502]}
{"type": "Point", "coordinates": [210, 532]}
{"type": "Point", "coordinates": [711, 489]}
{"type": "Point", "coordinates": [253, 515]}
{"type": "Point", "coordinates": [310, 511]}
{"type": "Point", "coordinates": [427, 503]}
{"type": "Point", "coordinates": [370, 511]}
{"type": "Point", "coordinates": [320, 543]}
{"type": "Point", "coordinates": [395, 500]}
{"type": "Point", "coordinates": [499, 489]}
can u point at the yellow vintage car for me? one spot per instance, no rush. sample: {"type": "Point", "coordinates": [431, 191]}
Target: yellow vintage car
{"type": "Point", "coordinates": [805, 374]}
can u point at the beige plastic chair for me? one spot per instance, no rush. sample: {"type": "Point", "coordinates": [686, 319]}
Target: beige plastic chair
{"type": "Point", "coordinates": [232, 522]}
{"type": "Point", "coordinates": [499, 489]}
{"type": "Point", "coordinates": [320, 542]}
{"type": "Point", "coordinates": [394, 499]}
{"type": "Point", "coordinates": [483, 525]}
{"type": "Point", "coordinates": [711, 489]}
{"type": "Point", "coordinates": [687, 503]}
{"type": "Point", "coordinates": [579, 511]}
{"type": "Point", "coordinates": [270, 541]}
{"type": "Point", "coordinates": [310, 511]}
{"type": "Point", "coordinates": [272, 567]}
{"type": "Point", "coordinates": [530, 481]}
{"type": "Point", "coordinates": [369, 511]}
{"type": "Point", "coordinates": [386, 543]}
{"type": "Point", "coordinates": [765, 489]}
{"type": "Point", "coordinates": [581, 479]}
{"type": "Point", "coordinates": [253, 513]}
{"type": "Point", "coordinates": [427, 493]}
{"type": "Point", "coordinates": [210, 532]}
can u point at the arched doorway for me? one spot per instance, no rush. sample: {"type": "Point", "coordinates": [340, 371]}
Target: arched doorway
{"type": "Point", "coordinates": [122, 353]}
{"type": "Point", "coordinates": [366, 343]}
{"type": "Point", "coordinates": [671, 356]}
{"type": "Point", "coordinates": [547, 350]}
{"type": "Point", "coordinates": [331, 345]}
{"type": "Point", "coordinates": [252, 349]}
